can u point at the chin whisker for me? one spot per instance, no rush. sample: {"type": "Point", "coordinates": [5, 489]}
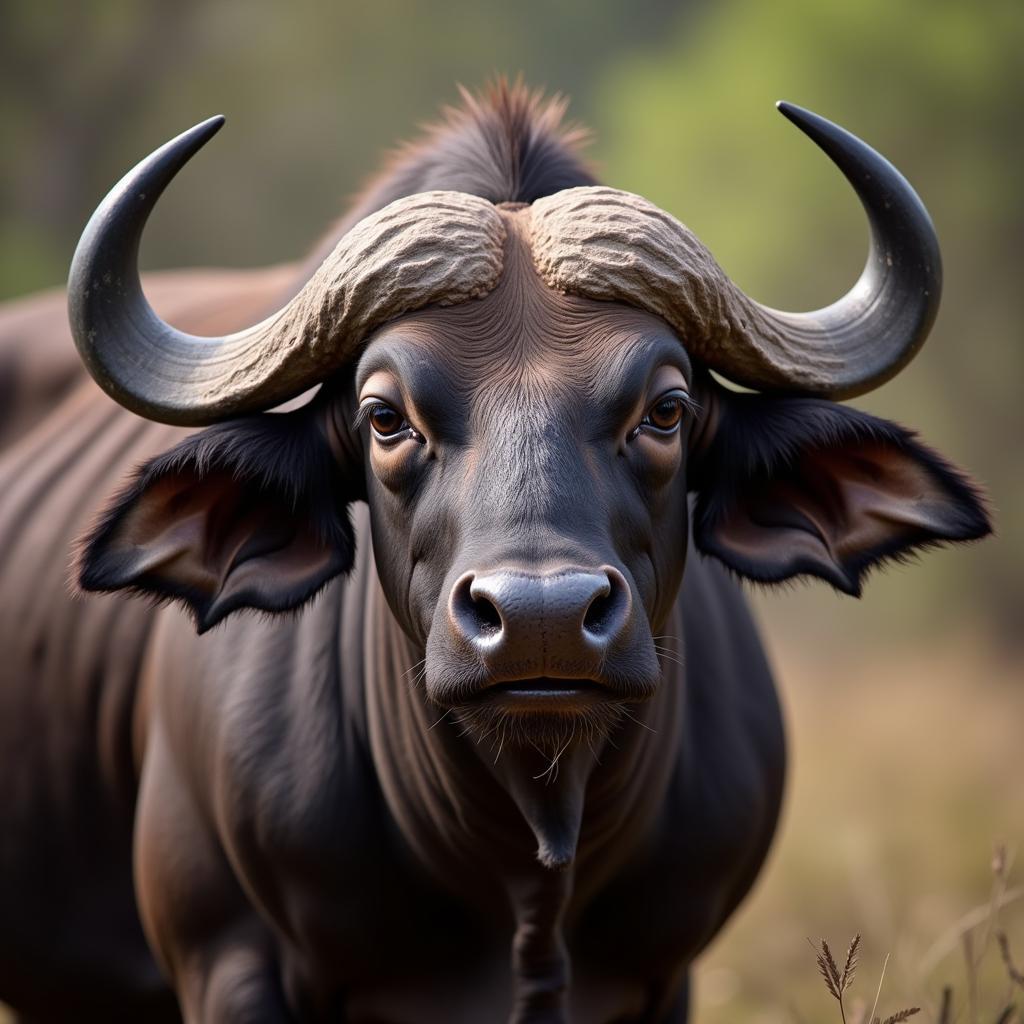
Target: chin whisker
{"type": "Point", "coordinates": [633, 718]}
{"type": "Point", "coordinates": [551, 772]}
{"type": "Point", "coordinates": [551, 736]}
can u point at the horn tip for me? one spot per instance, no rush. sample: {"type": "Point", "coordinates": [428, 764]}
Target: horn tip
{"type": "Point", "coordinates": [200, 134]}
{"type": "Point", "coordinates": [210, 126]}
{"type": "Point", "coordinates": [191, 141]}
{"type": "Point", "coordinates": [814, 126]}
{"type": "Point", "coordinates": [792, 112]}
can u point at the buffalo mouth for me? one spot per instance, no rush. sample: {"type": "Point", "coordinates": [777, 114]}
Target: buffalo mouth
{"type": "Point", "coordinates": [544, 694]}
{"type": "Point", "coordinates": [534, 696]}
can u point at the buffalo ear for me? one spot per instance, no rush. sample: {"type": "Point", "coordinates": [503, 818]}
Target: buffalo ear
{"type": "Point", "coordinates": [789, 487]}
{"type": "Point", "coordinates": [246, 514]}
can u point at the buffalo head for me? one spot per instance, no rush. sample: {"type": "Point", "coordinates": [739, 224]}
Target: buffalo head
{"type": "Point", "coordinates": [523, 396]}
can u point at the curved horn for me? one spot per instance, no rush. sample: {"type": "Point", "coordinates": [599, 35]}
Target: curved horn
{"type": "Point", "coordinates": [441, 247]}
{"type": "Point", "coordinates": [871, 333]}
{"type": "Point", "coordinates": [609, 244]}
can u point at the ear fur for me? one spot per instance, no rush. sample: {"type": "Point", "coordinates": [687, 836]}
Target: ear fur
{"type": "Point", "coordinates": [248, 513]}
{"type": "Point", "coordinates": [797, 486]}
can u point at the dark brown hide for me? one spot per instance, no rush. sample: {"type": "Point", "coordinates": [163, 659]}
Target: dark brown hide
{"type": "Point", "coordinates": [73, 702]}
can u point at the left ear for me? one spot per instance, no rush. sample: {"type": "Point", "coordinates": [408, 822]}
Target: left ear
{"type": "Point", "coordinates": [799, 486]}
{"type": "Point", "coordinates": [251, 513]}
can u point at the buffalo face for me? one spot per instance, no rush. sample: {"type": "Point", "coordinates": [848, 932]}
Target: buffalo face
{"type": "Point", "coordinates": [525, 466]}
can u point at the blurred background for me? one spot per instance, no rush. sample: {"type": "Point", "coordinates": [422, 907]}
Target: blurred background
{"type": "Point", "coordinates": [906, 709]}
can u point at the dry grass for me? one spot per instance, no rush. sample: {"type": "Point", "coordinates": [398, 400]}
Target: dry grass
{"type": "Point", "coordinates": [907, 769]}
{"type": "Point", "coordinates": [970, 931]}
{"type": "Point", "coordinates": [838, 982]}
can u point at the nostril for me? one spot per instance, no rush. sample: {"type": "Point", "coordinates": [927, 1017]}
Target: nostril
{"type": "Point", "coordinates": [609, 609]}
{"type": "Point", "coordinates": [487, 617]}
{"type": "Point", "coordinates": [475, 616]}
{"type": "Point", "coordinates": [597, 614]}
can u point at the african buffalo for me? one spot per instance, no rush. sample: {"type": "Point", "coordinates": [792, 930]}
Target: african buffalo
{"type": "Point", "coordinates": [509, 761]}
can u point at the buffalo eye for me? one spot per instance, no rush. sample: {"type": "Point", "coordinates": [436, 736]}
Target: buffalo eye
{"type": "Point", "coordinates": [664, 416]}
{"type": "Point", "coordinates": [387, 422]}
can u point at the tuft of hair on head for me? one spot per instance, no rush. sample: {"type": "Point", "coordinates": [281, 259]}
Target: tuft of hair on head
{"type": "Point", "coordinates": [506, 143]}
{"type": "Point", "coordinates": [520, 139]}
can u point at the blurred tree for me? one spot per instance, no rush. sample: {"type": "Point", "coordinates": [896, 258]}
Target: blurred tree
{"type": "Point", "coordinates": [63, 71]}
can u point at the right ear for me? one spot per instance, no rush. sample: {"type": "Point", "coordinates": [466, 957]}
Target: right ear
{"type": "Point", "coordinates": [251, 513]}
{"type": "Point", "coordinates": [808, 487]}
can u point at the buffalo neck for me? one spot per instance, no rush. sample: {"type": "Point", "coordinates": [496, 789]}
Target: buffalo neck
{"type": "Point", "coordinates": [472, 815]}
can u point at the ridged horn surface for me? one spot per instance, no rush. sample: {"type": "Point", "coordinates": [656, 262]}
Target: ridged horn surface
{"type": "Point", "coordinates": [608, 244]}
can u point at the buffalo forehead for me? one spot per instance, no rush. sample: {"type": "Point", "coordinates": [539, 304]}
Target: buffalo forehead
{"type": "Point", "coordinates": [524, 333]}
{"type": "Point", "coordinates": [440, 357]}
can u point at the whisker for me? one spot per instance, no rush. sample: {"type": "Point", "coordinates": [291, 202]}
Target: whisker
{"type": "Point", "coordinates": [413, 668]}
{"type": "Point", "coordinates": [669, 656]}
{"type": "Point", "coordinates": [441, 719]}
{"type": "Point", "coordinates": [501, 743]}
{"type": "Point", "coordinates": [633, 718]}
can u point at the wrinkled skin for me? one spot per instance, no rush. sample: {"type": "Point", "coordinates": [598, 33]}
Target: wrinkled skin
{"type": "Point", "coordinates": [389, 853]}
{"type": "Point", "coordinates": [304, 819]}
{"type": "Point", "coordinates": [510, 454]}
{"type": "Point", "coordinates": [352, 813]}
